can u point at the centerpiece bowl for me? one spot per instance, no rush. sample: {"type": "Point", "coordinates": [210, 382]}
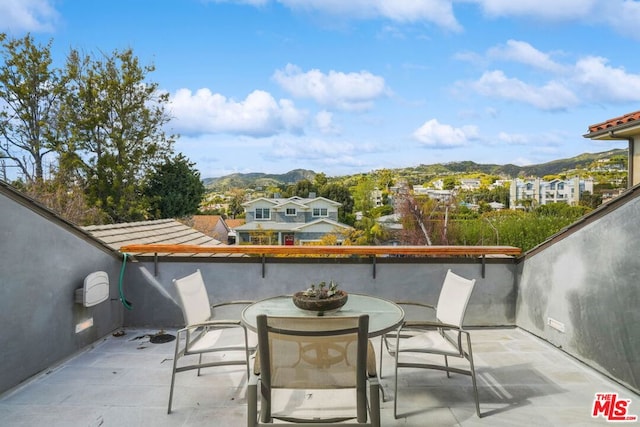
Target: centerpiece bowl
{"type": "Point", "coordinates": [313, 303]}
{"type": "Point", "coordinates": [321, 298]}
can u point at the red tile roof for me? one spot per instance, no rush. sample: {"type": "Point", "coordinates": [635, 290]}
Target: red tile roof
{"type": "Point", "coordinates": [615, 122]}
{"type": "Point", "coordinates": [233, 223]}
{"type": "Point", "coordinates": [206, 223]}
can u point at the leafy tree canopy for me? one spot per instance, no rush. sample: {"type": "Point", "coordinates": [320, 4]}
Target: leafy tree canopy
{"type": "Point", "coordinates": [174, 188]}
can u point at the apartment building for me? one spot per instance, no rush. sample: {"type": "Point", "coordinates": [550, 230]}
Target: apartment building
{"type": "Point", "coordinates": [539, 192]}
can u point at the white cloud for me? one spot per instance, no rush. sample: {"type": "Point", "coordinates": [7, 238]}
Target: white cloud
{"type": "Point", "coordinates": [27, 15]}
{"type": "Point", "coordinates": [524, 53]}
{"type": "Point", "coordinates": [319, 151]}
{"type": "Point", "coordinates": [513, 138]}
{"type": "Point", "coordinates": [434, 134]}
{"type": "Point", "coordinates": [545, 9]}
{"type": "Point", "coordinates": [324, 123]}
{"type": "Point", "coordinates": [551, 96]}
{"type": "Point", "coordinates": [438, 12]}
{"type": "Point", "coordinates": [623, 16]}
{"type": "Point", "coordinates": [347, 91]}
{"type": "Point", "coordinates": [590, 79]}
{"type": "Point", "coordinates": [257, 115]}
{"type": "Point", "coordinates": [603, 82]}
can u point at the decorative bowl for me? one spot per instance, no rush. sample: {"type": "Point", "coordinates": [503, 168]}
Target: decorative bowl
{"type": "Point", "coordinates": [320, 305]}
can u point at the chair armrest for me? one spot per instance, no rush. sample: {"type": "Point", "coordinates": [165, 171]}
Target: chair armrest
{"type": "Point", "coordinates": [229, 323]}
{"type": "Point", "coordinates": [222, 304]}
{"type": "Point", "coordinates": [417, 304]}
{"type": "Point", "coordinates": [421, 324]}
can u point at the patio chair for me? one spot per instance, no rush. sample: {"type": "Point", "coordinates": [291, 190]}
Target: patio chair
{"type": "Point", "coordinates": [416, 340]}
{"type": "Point", "coordinates": [313, 372]}
{"type": "Point", "coordinates": [205, 334]}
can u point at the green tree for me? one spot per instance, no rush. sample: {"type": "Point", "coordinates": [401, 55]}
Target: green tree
{"type": "Point", "coordinates": [362, 195]}
{"type": "Point", "coordinates": [385, 178]}
{"type": "Point", "coordinates": [30, 90]}
{"type": "Point", "coordinates": [320, 179]}
{"type": "Point", "coordinates": [449, 183]}
{"type": "Point", "coordinates": [339, 193]}
{"type": "Point", "coordinates": [235, 203]}
{"type": "Point", "coordinates": [303, 188]}
{"type": "Point", "coordinates": [174, 188]}
{"type": "Point", "coordinates": [113, 118]}
{"type": "Point", "coordinates": [590, 200]}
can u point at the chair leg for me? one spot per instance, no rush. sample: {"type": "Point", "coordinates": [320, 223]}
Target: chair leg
{"type": "Point", "coordinates": [374, 404]}
{"type": "Point", "coordinates": [473, 376]}
{"type": "Point", "coordinates": [395, 390]}
{"type": "Point", "coordinates": [252, 402]}
{"type": "Point", "coordinates": [246, 352]}
{"type": "Point", "coordinates": [446, 363]}
{"type": "Point", "coordinates": [173, 372]}
{"type": "Point", "coordinates": [380, 362]}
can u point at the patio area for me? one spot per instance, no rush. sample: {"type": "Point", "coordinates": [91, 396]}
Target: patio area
{"type": "Point", "coordinates": [124, 381]}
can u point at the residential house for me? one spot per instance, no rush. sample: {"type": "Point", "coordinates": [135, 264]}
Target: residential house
{"type": "Point", "coordinates": [160, 231]}
{"type": "Point", "coordinates": [469, 184]}
{"type": "Point", "coordinates": [289, 221]}
{"type": "Point", "coordinates": [376, 197]}
{"type": "Point", "coordinates": [439, 195]}
{"type": "Point", "coordinates": [232, 223]}
{"type": "Point", "coordinates": [217, 227]}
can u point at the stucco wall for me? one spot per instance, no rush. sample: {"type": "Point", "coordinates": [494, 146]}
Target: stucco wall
{"type": "Point", "coordinates": [155, 302]}
{"type": "Point", "coordinates": [41, 265]}
{"type": "Point", "coordinates": [589, 282]}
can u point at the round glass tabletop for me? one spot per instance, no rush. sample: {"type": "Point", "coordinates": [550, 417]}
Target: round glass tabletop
{"type": "Point", "coordinates": [384, 315]}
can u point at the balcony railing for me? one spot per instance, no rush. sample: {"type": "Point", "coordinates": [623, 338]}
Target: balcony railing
{"type": "Point", "coordinates": [323, 250]}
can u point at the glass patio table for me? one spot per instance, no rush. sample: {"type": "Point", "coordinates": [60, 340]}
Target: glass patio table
{"type": "Point", "coordinates": [384, 315]}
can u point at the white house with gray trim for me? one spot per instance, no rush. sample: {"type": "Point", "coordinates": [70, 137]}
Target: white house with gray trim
{"type": "Point", "coordinates": [289, 221]}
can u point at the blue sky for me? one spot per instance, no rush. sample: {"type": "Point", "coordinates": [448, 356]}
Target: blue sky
{"type": "Point", "coordinates": [343, 87]}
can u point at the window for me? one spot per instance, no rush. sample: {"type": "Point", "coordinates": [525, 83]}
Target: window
{"type": "Point", "coordinates": [320, 212]}
{"type": "Point", "coordinates": [263, 213]}
{"type": "Point", "coordinates": [291, 212]}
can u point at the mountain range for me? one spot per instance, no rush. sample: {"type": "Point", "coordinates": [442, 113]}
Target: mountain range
{"type": "Point", "coordinates": [256, 179]}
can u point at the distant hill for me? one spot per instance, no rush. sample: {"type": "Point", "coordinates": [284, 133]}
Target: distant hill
{"type": "Point", "coordinates": [550, 168]}
{"type": "Point", "coordinates": [252, 180]}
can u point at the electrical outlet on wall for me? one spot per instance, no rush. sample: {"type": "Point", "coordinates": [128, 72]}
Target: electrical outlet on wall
{"type": "Point", "coordinates": [555, 324]}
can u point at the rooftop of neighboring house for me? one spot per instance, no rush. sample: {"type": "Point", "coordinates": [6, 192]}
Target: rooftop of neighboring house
{"type": "Point", "coordinates": [276, 201]}
{"type": "Point", "coordinates": [164, 231]}
{"type": "Point", "coordinates": [207, 223]}
{"type": "Point", "coordinates": [233, 223]}
{"type": "Point", "coordinates": [288, 226]}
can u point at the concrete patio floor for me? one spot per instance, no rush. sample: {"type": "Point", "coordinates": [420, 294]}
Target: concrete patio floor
{"type": "Point", "coordinates": [124, 381]}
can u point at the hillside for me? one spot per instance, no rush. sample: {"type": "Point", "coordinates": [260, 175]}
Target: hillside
{"type": "Point", "coordinates": [418, 173]}
{"type": "Point", "coordinates": [252, 180]}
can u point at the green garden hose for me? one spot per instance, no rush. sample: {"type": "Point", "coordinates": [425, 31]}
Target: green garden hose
{"type": "Point", "coordinates": [124, 301]}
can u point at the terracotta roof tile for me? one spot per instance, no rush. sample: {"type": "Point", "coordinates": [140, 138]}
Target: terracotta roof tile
{"type": "Point", "coordinates": [233, 223]}
{"type": "Point", "coordinates": [615, 122]}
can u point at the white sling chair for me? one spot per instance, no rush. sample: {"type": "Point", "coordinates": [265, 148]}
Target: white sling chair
{"type": "Point", "coordinates": [445, 336]}
{"type": "Point", "coordinates": [204, 333]}
{"type": "Point", "coordinates": [313, 372]}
